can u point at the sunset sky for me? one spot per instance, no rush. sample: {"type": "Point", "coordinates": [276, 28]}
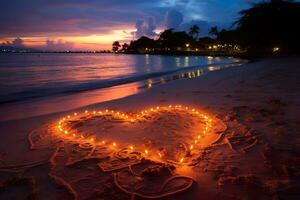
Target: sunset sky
{"type": "Point", "coordinates": [95, 24]}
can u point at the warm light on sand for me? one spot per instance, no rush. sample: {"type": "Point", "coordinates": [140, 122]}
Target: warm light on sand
{"type": "Point", "coordinates": [132, 118]}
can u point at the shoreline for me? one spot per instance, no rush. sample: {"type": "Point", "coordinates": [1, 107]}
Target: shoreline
{"type": "Point", "coordinates": [255, 158]}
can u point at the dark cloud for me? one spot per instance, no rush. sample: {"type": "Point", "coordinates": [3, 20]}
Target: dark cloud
{"type": "Point", "coordinates": [77, 17]}
{"type": "Point", "coordinates": [145, 28]}
{"type": "Point", "coordinates": [173, 19]}
{"type": "Point", "coordinates": [52, 17]}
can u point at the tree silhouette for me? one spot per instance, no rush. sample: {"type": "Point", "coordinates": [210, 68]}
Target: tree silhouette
{"type": "Point", "coordinates": [194, 31]}
{"type": "Point", "coordinates": [214, 31]}
{"type": "Point", "coordinates": [269, 24]}
{"type": "Point", "coordinates": [142, 44]}
{"type": "Point", "coordinates": [116, 45]}
{"type": "Point", "coordinates": [166, 35]}
{"type": "Point", "coordinates": [125, 46]}
{"type": "Point", "coordinates": [173, 40]}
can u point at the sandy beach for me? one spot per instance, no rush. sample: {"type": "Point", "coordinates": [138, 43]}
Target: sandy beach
{"type": "Point", "coordinates": [229, 134]}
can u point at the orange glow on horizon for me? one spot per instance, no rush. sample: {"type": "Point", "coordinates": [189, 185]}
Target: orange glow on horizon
{"type": "Point", "coordinates": [81, 42]}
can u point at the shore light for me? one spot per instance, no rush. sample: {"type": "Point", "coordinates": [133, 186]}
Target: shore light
{"type": "Point", "coordinates": [276, 49]}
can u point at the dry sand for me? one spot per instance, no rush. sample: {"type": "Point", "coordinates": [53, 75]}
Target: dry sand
{"type": "Point", "coordinates": [250, 150]}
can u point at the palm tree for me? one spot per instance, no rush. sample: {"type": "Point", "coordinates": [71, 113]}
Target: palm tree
{"type": "Point", "coordinates": [194, 31]}
{"type": "Point", "coordinates": [214, 31]}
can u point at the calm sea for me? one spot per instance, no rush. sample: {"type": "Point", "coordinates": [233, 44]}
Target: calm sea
{"type": "Point", "coordinates": [26, 78]}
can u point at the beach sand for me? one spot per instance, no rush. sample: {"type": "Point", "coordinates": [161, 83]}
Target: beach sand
{"type": "Point", "coordinates": [241, 142]}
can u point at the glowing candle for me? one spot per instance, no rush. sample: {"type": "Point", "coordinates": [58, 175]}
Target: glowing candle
{"type": "Point", "coordinates": [114, 144]}
{"type": "Point", "coordinates": [146, 151]}
{"type": "Point", "coordinates": [131, 147]}
{"type": "Point", "coordinates": [191, 147]}
{"type": "Point", "coordinates": [66, 132]}
{"type": "Point", "coordinates": [181, 160]}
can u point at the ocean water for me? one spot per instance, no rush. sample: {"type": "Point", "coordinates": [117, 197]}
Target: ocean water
{"type": "Point", "coordinates": [27, 78]}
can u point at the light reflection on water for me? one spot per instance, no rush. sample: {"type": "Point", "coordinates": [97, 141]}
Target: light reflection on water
{"type": "Point", "coordinates": [185, 75]}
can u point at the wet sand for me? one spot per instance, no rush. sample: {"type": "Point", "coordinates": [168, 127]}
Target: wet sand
{"type": "Point", "coordinates": [249, 150]}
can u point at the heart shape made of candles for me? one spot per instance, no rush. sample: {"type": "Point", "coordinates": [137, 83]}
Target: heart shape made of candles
{"type": "Point", "coordinates": [173, 133]}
